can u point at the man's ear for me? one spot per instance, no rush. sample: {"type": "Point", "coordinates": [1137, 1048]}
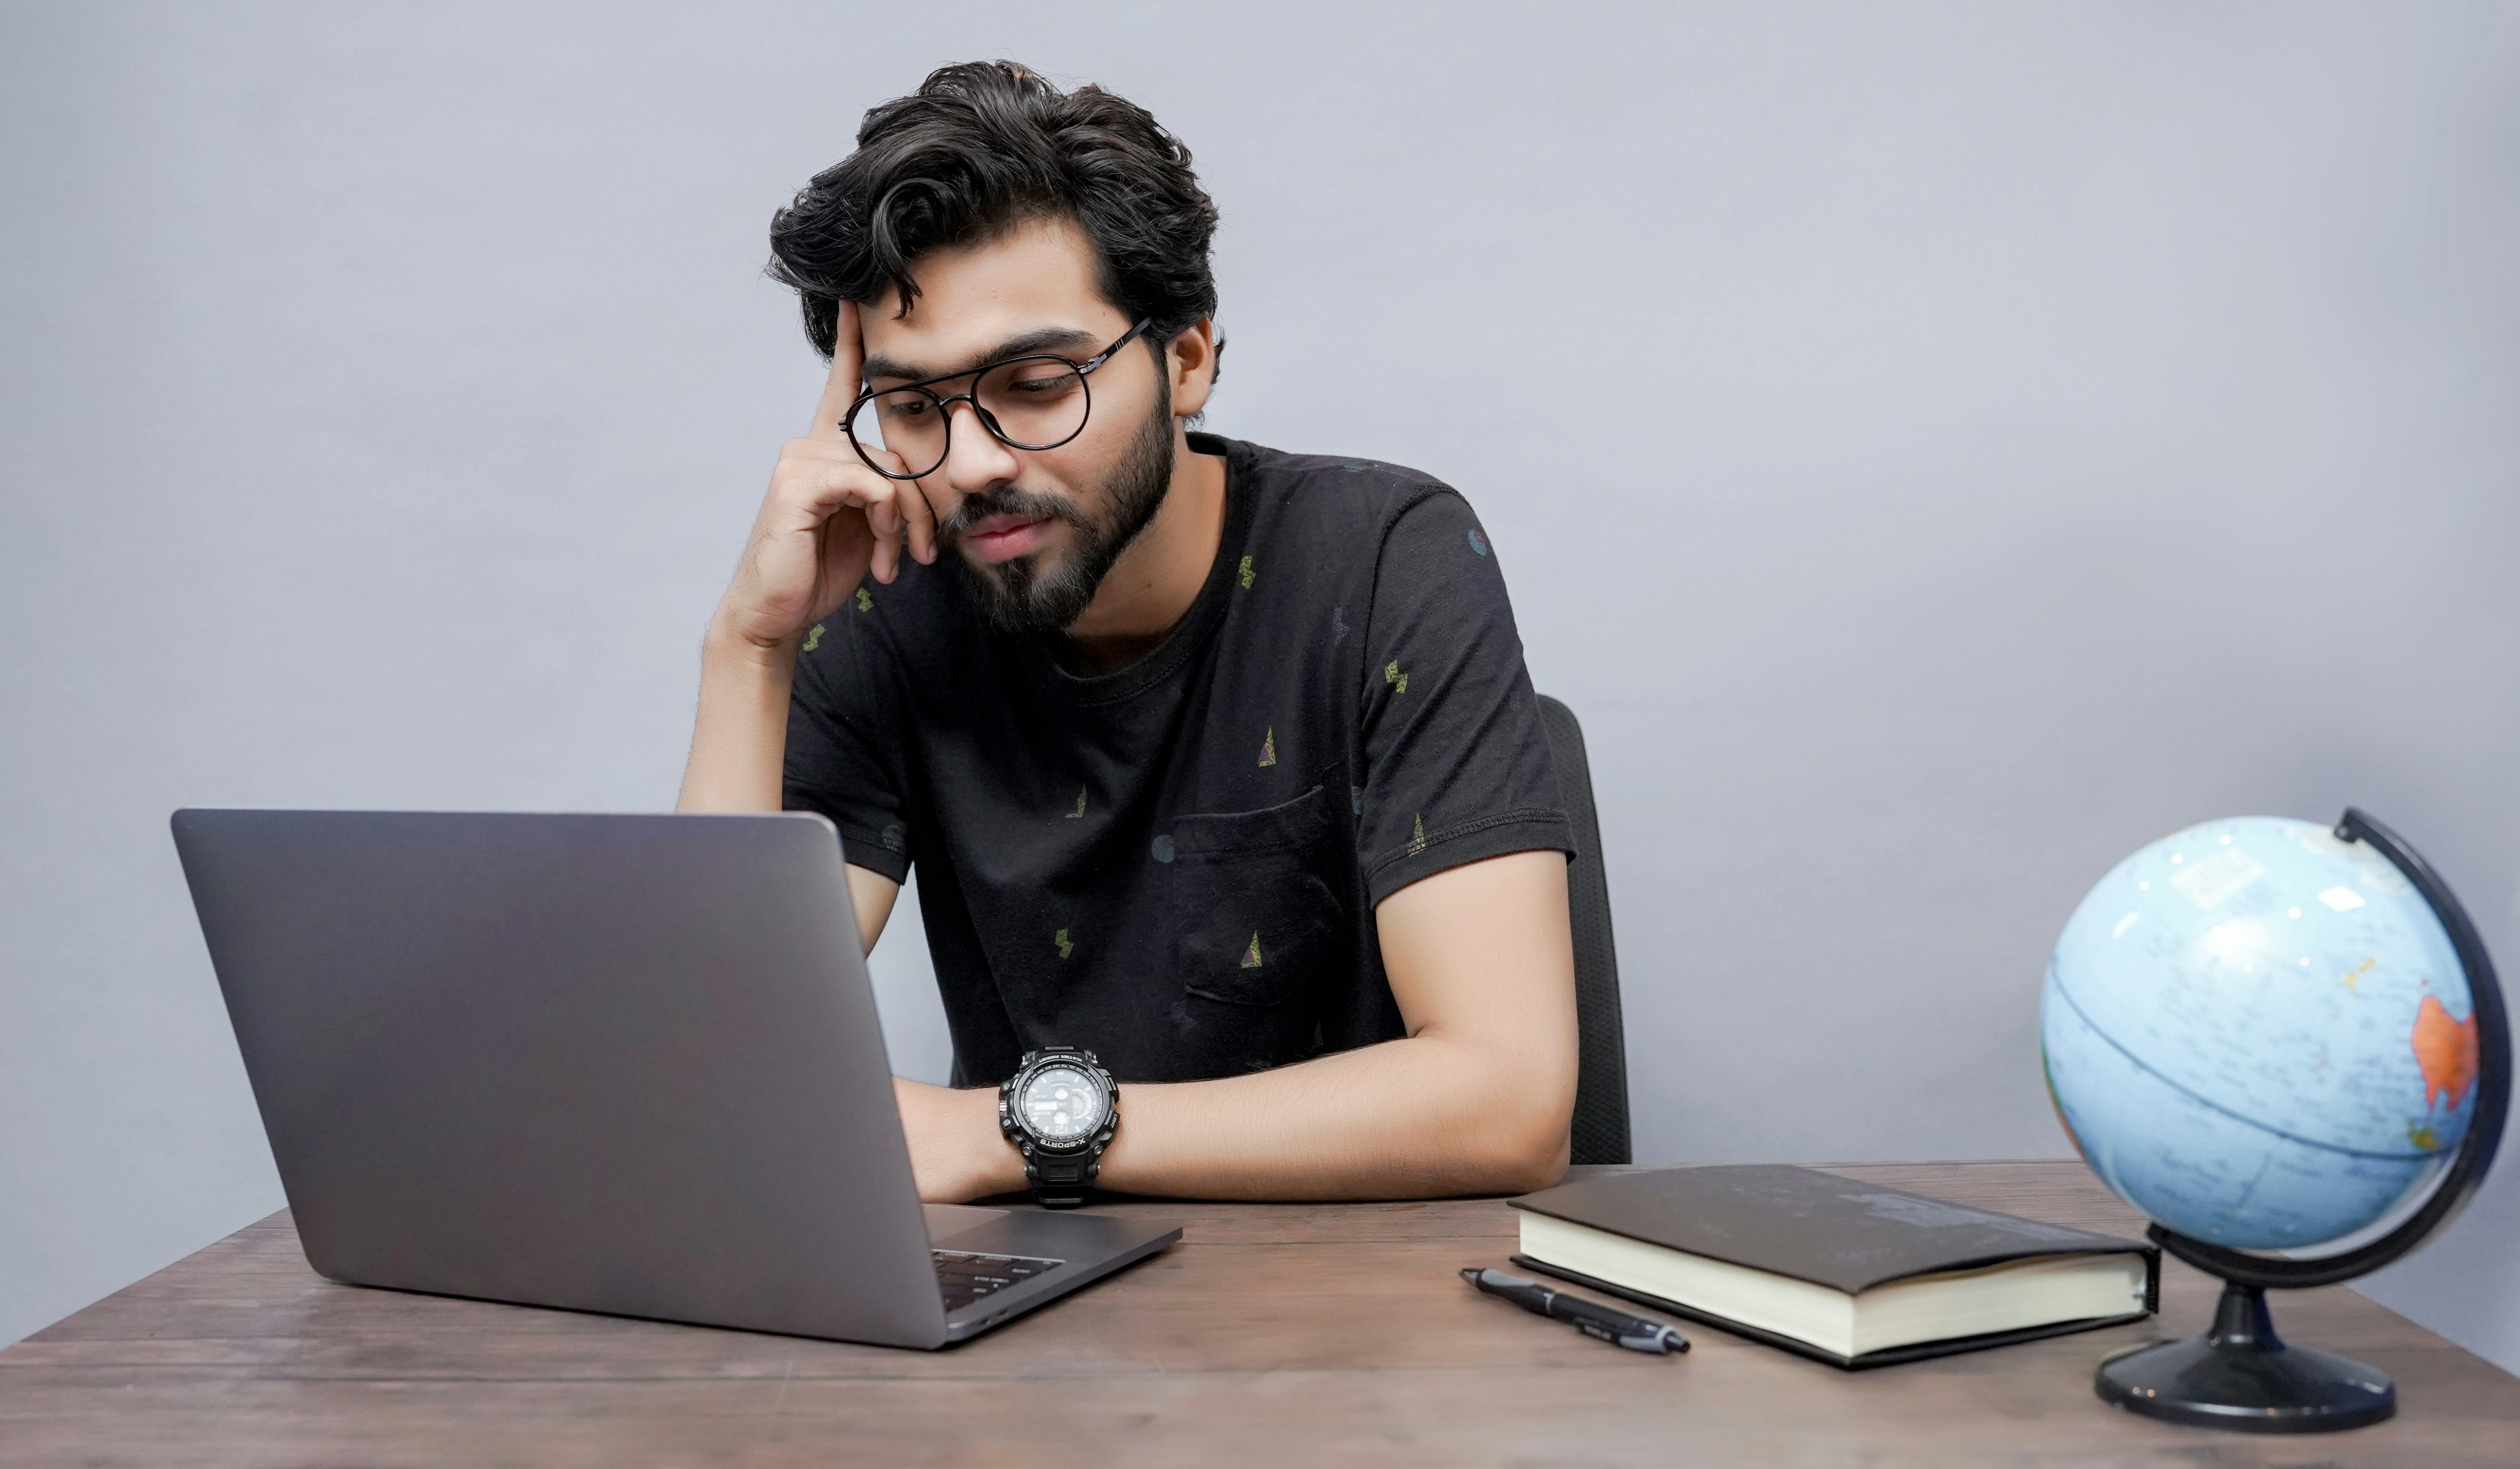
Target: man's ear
{"type": "Point", "coordinates": [1190, 361]}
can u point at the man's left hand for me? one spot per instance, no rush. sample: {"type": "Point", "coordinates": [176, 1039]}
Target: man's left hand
{"type": "Point", "coordinates": [956, 1151]}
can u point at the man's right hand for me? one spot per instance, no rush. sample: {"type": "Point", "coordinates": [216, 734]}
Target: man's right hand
{"type": "Point", "coordinates": [827, 522]}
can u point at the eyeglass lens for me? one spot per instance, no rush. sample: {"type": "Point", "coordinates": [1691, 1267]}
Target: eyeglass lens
{"type": "Point", "coordinates": [1030, 403]}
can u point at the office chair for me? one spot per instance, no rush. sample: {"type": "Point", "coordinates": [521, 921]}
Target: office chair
{"type": "Point", "coordinates": [1600, 1129]}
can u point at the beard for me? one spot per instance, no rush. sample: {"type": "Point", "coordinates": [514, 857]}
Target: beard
{"type": "Point", "coordinates": [1018, 596]}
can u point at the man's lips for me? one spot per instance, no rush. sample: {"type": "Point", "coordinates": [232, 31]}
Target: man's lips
{"type": "Point", "coordinates": [1004, 537]}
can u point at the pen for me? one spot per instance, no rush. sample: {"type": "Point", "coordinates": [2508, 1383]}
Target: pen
{"type": "Point", "coordinates": [1630, 1332]}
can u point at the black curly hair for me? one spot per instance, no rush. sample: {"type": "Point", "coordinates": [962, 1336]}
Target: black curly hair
{"type": "Point", "coordinates": [978, 148]}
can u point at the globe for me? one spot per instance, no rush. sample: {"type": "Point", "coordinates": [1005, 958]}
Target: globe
{"type": "Point", "coordinates": [2259, 1034]}
{"type": "Point", "coordinates": [2284, 1044]}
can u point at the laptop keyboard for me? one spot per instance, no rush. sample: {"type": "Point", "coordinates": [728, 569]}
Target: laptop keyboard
{"type": "Point", "coordinates": [964, 1278]}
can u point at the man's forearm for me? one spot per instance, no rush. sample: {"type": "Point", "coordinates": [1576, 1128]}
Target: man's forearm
{"type": "Point", "coordinates": [1426, 1116]}
{"type": "Point", "coordinates": [740, 735]}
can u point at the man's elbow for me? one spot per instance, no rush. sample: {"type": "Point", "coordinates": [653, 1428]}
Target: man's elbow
{"type": "Point", "coordinates": [1525, 1154]}
{"type": "Point", "coordinates": [1532, 1168]}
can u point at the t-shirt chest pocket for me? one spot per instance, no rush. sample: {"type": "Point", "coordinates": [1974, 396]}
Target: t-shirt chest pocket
{"type": "Point", "coordinates": [1253, 911]}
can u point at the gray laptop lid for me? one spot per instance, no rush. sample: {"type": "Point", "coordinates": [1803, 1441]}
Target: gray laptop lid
{"type": "Point", "coordinates": [627, 1063]}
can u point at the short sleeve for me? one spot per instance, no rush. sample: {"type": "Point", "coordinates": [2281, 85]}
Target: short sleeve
{"type": "Point", "coordinates": [843, 747]}
{"type": "Point", "coordinates": [1456, 761]}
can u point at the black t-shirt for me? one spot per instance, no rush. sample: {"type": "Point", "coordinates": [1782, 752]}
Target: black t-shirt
{"type": "Point", "coordinates": [1175, 865]}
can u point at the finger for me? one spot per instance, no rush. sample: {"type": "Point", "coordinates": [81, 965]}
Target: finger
{"type": "Point", "coordinates": [813, 491]}
{"type": "Point", "coordinates": [884, 519]}
{"type": "Point", "coordinates": [844, 558]}
{"type": "Point", "coordinates": [911, 513]}
{"type": "Point", "coordinates": [883, 516]}
{"type": "Point", "coordinates": [883, 526]}
{"type": "Point", "coordinates": [840, 388]}
{"type": "Point", "coordinates": [921, 522]}
{"type": "Point", "coordinates": [917, 517]}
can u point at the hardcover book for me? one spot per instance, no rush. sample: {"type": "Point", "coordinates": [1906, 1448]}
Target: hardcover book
{"type": "Point", "coordinates": [1853, 1275]}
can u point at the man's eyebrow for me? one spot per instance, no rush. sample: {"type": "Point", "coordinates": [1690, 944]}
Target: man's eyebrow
{"type": "Point", "coordinates": [1043, 339]}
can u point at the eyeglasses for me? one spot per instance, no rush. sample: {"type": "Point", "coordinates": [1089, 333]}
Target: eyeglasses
{"type": "Point", "coordinates": [1037, 402]}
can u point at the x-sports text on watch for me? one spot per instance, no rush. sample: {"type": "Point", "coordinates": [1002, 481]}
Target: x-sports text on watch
{"type": "Point", "coordinates": [1059, 1109]}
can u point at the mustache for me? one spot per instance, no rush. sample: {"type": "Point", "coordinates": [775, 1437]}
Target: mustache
{"type": "Point", "coordinates": [1007, 499]}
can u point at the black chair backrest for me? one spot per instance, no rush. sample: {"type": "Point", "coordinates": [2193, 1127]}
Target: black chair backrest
{"type": "Point", "coordinates": [1600, 1129]}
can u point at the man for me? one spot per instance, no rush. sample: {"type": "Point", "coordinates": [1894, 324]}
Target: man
{"type": "Point", "coordinates": [1218, 762]}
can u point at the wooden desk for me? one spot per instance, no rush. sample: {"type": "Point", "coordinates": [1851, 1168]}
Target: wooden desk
{"type": "Point", "coordinates": [1282, 1334]}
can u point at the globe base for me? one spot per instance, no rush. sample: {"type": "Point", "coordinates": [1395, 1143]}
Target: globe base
{"type": "Point", "coordinates": [2240, 1376]}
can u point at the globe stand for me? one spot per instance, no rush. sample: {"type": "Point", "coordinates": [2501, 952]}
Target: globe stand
{"type": "Point", "coordinates": [2241, 1375]}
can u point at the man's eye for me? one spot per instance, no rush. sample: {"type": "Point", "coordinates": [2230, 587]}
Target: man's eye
{"type": "Point", "coordinates": [907, 411]}
{"type": "Point", "coordinates": [1046, 387]}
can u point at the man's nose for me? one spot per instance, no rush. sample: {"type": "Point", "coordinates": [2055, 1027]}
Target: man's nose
{"type": "Point", "coordinates": [974, 460]}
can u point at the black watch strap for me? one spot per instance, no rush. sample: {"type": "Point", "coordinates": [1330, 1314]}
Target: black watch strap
{"type": "Point", "coordinates": [1059, 1182]}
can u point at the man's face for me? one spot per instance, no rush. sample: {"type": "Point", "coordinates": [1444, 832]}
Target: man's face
{"type": "Point", "coordinates": [1035, 530]}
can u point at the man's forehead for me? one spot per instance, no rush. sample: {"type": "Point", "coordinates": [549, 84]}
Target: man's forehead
{"type": "Point", "coordinates": [1034, 288]}
{"type": "Point", "coordinates": [913, 357]}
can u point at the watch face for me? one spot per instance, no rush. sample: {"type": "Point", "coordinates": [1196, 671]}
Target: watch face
{"type": "Point", "coordinates": [1061, 1103]}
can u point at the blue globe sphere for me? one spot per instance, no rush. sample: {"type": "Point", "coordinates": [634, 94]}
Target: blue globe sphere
{"type": "Point", "coordinates": [2260, 1035]}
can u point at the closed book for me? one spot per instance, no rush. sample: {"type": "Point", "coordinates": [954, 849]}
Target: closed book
{"type": "Point", "coordinates": [1853, 1274]}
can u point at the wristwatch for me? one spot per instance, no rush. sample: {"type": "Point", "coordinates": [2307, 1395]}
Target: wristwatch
{"type": "Point", "coordinates": [1059, 1109]}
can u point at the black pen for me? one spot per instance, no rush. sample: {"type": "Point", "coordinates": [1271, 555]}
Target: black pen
{"type": "Point", "coordinates": [1630, 1332]}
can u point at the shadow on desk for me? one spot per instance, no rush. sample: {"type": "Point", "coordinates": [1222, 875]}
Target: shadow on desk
{"type": "Point", "coordinates": [1274, 1334]}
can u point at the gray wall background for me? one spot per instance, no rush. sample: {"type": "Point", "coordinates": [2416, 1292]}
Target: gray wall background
{"type": "Point", "coordinates": [1937, 449]}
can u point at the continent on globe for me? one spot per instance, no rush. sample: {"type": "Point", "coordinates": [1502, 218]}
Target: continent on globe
{"type": "Point", "coordinates": [2446, 1049]}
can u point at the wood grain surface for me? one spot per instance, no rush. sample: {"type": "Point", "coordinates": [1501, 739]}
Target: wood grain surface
{"type": "Point", "coordinates": [1301, 1335]}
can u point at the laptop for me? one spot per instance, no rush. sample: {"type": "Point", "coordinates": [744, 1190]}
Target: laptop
{"type": "Point", "coordinates": [621, 1064]}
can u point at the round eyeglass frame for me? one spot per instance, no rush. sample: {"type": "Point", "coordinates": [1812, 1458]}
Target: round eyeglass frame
{"type": "Point", "coordinates": [945, 404]}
